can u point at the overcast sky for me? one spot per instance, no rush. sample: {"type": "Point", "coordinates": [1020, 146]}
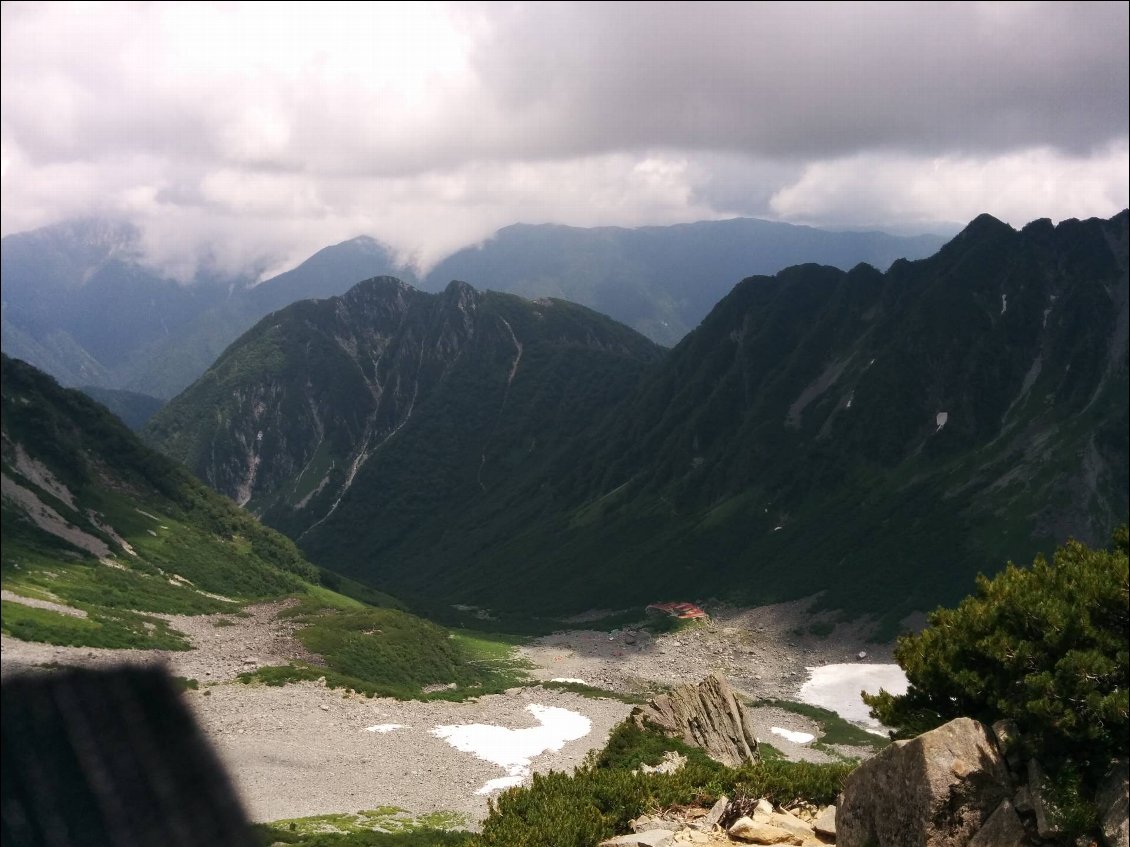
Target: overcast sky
{"type": "Point", "coordinates": [254, 134]}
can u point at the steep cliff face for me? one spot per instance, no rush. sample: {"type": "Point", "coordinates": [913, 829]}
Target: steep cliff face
{"type": "Point", "coordinates": [288, 419]}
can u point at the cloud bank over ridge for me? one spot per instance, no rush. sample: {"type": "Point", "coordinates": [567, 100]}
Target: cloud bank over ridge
{"type": "Point", "coordinates": [249, 135]}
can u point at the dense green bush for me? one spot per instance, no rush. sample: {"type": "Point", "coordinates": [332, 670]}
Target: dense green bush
{"type": "Point", "coordinates": [580, 809]}
{"type": "Point", "coordinates": [1044, 646]}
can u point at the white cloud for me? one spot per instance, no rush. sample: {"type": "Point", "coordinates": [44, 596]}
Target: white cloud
{"type": "Point", "coordinates": [250, 134]}
{"type": "Point", "coordinates": [1015, 187]}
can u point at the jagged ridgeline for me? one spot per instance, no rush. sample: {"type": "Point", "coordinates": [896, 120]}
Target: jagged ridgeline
{"type": "Point", "coordinates": [404, 404]}
{"type": "Point", "coordinates": [880, 437]}
{"type": "Point", "coordinates": [93, 517]}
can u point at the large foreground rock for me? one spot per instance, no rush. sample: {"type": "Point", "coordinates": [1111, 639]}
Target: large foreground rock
{"type": "Point", "coordinates": [706, 715]}
{"type": "Point", "coordinates": [937, 790]}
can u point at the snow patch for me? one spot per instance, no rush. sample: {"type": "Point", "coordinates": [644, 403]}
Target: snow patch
{"type": "Point", "coordinates": [515, 749]}
{"type": "Point", "coordinates": [940, 420]}
{"type": "Point", "coordinates": [500, 783]}
{"type": "Point", "coordinates": [382, 728]}
{"type": "Point", "coordinates": [792, 735]}
{"type": "Point", "coordinates": [1004, 303]}
{"type": "Point", "coordinates": [569, 679]}
{"type": "Point", "coordinates": [837, 687]}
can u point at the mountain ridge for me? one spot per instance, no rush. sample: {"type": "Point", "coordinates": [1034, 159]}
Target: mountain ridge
{"type": "Point", "coordinates": [81, 302]}
{"type": "Point", "coordinates": [881, 436]}
{"type": "Point", "coordinates": [660, 280]}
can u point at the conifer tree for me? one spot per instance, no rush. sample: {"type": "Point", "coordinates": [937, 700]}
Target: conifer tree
{"type": "Point", "coordinates": [1044, 646]}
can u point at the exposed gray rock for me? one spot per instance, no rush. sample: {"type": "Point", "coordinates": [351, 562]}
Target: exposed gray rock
{"type": "Point", "coordinates": [1002, 829]}
{"type": "Point", "coordinates": [825, 823]}
{"type": "Point", "coordinates": [936, 790]}
{"type": "Point", "coordinates": [755, 832]}
{"type": "Point", "coordinates": [712, 818]}
{"type": "Point", "coordinates": [706, 715]}
{"type": "Point", "coordinates": [1022, 800]}
{"type": "Point", "coordinates": [653, 838]}
{"type": "Point", "coordinates": [672, 763]}
{"type": "Point", "coordinates": [789, 823]}
{"type": "Point", "coordinates": [1040, 793]}
{"type": "Point", "coordinates": [1113, 801]}
{"type": "Point", "coordinates": [647, 823]}
{"type": "Point", "coordinates": [1008, 739]}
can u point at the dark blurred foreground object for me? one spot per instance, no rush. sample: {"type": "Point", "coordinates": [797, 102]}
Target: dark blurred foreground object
{"type": "Point", "coordinates": [111, 758]}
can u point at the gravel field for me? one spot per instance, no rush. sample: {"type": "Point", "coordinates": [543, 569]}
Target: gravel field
{"type": "Point", "coordinates": [304, 749]}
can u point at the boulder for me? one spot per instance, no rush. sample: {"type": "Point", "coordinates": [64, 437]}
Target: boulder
{"type": "Point", "coordinates": [936, 790]}
{"type": "Point", "coordinates": [825, 823]}
{"type": "Point", "coordinates": [707, 715]}
{"type": "Point", "coordinates": [789, 823]}
{"type": "Point", "coordinates": [1008, 739]}
{"type": "Point", "coordinates": [1002, 829]}
{"type": "Point", "coordinates": [1039, 790]}
{"type": "Point", "coordinates": [1113, 801]}
{"type": "Point", "coordinates": [648, 823]}
{"type": "Point", "coordinates": [711, 819]}
{"type": "Point", "coordinates": [754, 832]}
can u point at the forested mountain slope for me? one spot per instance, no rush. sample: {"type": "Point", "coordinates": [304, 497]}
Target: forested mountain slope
{"type": "Point", "coordinates": [879, 437]}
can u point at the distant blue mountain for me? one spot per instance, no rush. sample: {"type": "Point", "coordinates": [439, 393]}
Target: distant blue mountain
{"type": "Point", "coordinates": [661, 280]}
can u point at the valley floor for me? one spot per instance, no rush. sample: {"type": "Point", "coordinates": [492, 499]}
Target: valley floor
{"type": "Point", "coordinates": [304, 750]}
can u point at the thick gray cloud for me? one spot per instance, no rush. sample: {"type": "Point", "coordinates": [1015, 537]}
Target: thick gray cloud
{"type": "Point", "coordinates": [803, 80]}
{"type": "Point", "coordinates": [255, 133]}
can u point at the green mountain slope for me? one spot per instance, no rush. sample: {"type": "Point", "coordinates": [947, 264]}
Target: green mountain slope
{"type": "Point", "coordinates": [94, 518]}
{"type": "Point", "coordinates": [134, 409]}
{"type": "Point", "coordinates": [879, 437]}
{"type": "Point", "coordinates": [102, 537]}
{"type": "Point", "coordinates": [395, 404]}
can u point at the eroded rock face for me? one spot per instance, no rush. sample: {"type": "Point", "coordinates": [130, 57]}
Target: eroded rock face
{"type": "Point", "coordinates": [1114, 805]}
{"type": "Point", "coordinates": [706, 715]}
{"type": "Point", "coordinates": [936, 790]}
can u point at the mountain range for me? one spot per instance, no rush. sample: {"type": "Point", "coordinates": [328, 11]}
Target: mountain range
{"type": "Point", "coordinates": [660, 280]}
{"type": "Point", "coordinates": [880, 437]}
{"type": "Point", "coordinates": [81, 303]}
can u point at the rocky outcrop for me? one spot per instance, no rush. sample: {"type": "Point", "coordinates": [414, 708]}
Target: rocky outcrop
{"type": "Point", "coordinates": [1113, 802]}
{"type": "Point", "coordinates": [743, 820]}
{"type": "Point", "coordinates": [707, 715]}
{"type": "Point", "coordinates": [937, 790]}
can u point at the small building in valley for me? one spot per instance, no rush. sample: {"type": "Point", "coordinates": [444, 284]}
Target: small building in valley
{"type": "Point", "coordinates": [682, 611]}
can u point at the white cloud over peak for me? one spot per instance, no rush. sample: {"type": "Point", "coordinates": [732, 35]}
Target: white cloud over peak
{"type": "Point", "coordinates": [255, 133]}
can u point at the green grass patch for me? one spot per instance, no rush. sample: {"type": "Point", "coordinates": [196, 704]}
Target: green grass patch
{"type": "Point", "coordinates": [88, 582]}
{"type": "Point", "coordinates": [386, 826]}
{"type": "Point", "coordinates": [833, 728]}
{"type": "Point", "coordinates": [389, 653]}
{"type": "Point", "coordinates": [629, 746]}
{"type": "Point", "coordinates": [113, 629]}
{"type": "Point", "coordinates": [593, 692]}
